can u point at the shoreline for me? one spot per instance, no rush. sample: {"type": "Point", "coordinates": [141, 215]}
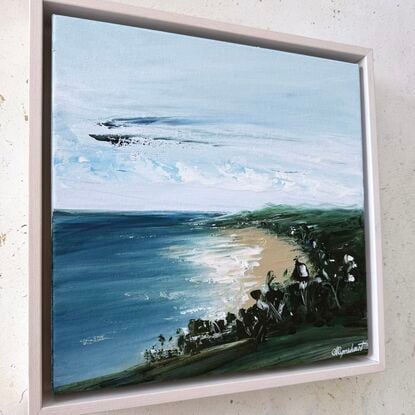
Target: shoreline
{"type": "Point", "coordinates": [303, 335]}
{"type": "Point", "coordinates": [277, 254]}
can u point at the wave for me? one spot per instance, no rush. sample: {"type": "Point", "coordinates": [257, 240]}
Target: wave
{"type": "Point", "coordinates": [137, 295]}
{"type": "Point", "coordinates": [94, 339]}
{"type": "Point", "coordinates": [174, 295]}
{"type": "Point", "coordinates": [223, 263]}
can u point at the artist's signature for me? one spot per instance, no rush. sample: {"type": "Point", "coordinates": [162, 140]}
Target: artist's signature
{"type": "Point", "coordinates": [339, 351]}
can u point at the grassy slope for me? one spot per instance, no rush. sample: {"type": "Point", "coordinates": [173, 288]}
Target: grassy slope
{"type": "Point", "coordinates": [308, 345]}
{"type": "Point", "coordinates": [176, 368]}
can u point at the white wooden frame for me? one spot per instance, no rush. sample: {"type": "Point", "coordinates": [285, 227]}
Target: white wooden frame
{"type": "Point", "coordinates": [41, 400]}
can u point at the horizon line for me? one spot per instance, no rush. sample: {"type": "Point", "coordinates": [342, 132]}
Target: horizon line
{"type": "Point", "coordinates": [325, 206]}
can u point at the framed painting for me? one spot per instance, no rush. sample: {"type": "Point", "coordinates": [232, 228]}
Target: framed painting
{"type": "Point", "coordinates": [204, 209]}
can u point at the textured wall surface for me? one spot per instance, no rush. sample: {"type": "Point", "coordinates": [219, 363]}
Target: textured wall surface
{"type": "Point", "coordinates": [388, 27]}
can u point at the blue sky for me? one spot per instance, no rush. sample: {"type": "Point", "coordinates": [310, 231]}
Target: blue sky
{"type": "Point", "coordinates": [236, 127]}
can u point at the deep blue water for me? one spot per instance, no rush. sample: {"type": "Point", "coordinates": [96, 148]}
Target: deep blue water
{"type": "Point", "coordinates": [120, 280]}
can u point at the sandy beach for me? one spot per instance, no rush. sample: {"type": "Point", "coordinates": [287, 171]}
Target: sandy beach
{"type": "Point", "coordinates": [277, 255]}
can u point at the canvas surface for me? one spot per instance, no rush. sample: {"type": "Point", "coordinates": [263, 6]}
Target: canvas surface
{"type": "Point", "coordinates": [207, 208]}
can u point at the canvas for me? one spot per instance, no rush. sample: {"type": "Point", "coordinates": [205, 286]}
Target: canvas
{"type": "Point", "coordinates": [207, 208]}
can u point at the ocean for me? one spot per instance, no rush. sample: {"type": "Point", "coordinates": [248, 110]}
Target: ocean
{"type": "Point", "coordinates": [122, 279]}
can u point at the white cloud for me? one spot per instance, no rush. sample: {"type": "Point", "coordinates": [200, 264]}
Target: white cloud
{"type": "Point", "coordinates": [227, 176]}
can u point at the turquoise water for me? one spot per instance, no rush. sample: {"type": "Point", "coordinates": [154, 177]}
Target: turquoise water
{"type": "Point", "coordinates": [120, 280]}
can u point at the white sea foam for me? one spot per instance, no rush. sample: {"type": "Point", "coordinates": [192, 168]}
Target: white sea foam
{"type": "Point", "coordinates": [94, 339]}
{"type": "Point", "coordinates": [225, 264]}
{"type": "Point", "coordinates": [172, 295]}
{"type": "Point", "coordinates": [194, 310]}
{"type": "Point", "coordinates": [137, 294]}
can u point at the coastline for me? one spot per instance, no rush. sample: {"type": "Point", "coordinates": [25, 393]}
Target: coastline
{"type": "Point", "coordinates": [277, 254]}
{"type": "Point", "coordinates": [303, 335]}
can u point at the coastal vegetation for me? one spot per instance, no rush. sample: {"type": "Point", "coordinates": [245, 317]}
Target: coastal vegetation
{"type": "Point", "coordinates": [333, 292]}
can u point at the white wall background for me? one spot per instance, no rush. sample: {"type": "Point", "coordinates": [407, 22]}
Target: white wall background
{"type": "Point", "coordinates": [387, 26]}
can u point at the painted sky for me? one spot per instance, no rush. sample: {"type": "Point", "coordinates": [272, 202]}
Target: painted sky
{"type": "Point", "coordinates": [207, 125]}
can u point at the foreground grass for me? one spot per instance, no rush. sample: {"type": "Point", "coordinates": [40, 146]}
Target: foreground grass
{"type": "Point", "coordinates": [308, 345]}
